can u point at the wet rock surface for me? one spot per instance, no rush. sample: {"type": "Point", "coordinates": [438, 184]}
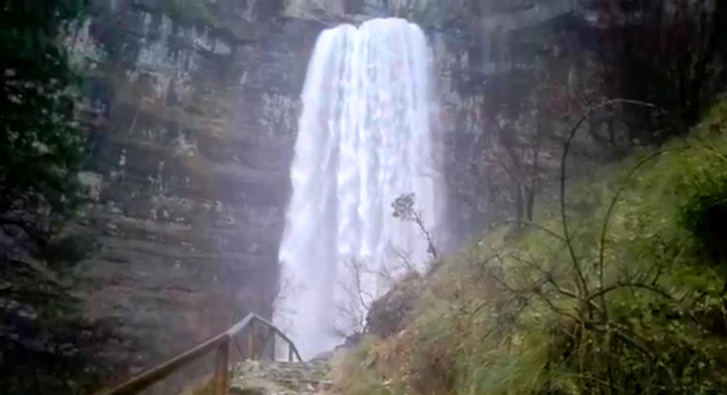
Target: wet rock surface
{"type": "Point", "coordinates": [281, 378]}
{"type": "Point", "coordinates": [393, 311]}
{"type": "Point", "coordinates": [192, 112]}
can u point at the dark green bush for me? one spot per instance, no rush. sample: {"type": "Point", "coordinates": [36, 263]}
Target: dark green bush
{"type": "Point", "coordinates": [705, 212]}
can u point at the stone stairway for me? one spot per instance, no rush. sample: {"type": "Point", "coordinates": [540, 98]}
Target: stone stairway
{"type": "Point", "coordinates": [281, 378]}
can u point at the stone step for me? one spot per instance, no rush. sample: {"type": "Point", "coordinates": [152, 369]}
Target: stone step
{"type": "Point", "coordinates": [281, 378]}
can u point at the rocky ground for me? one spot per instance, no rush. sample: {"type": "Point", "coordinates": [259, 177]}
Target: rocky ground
{"type": "Point", "coordinates": [282, 378]}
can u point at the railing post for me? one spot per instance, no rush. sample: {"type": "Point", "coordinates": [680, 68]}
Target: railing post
{"type": "Point", "coordinates": [222, 360]}
{"type": "Point", "coordinates": [251, 344]}
{"type": "Point", "coordinates": [220, 345]}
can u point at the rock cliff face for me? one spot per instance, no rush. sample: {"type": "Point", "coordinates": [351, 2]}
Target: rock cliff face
{"type": "Point", "coordinates": [193, 109]}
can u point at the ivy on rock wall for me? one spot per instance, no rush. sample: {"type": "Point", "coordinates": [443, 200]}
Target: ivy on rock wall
{"type": "Point", "coordinates": [44, 343]}
{"type": "Point", "coordinates": [41, 148]}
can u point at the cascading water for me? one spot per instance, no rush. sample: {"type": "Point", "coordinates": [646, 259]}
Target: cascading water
{"type": "Point", "coordinates": [364, 139]}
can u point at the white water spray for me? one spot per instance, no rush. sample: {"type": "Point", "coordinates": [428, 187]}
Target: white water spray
{"type": "Point", "coordinates": [364, 139]}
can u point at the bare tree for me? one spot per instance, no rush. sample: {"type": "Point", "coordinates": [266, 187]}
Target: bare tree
{"type": "Point", "coordinates": [352, 308]}
{"type": "Point", "coordinates": [404, 209]}
{"type": "Point", "coordinates": [360, 277]}
{"type": "Point", "coordinates": [286, 288]}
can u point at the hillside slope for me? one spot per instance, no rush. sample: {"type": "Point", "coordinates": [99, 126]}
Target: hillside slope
{"type": "Point", "coordinates": [628, 297]}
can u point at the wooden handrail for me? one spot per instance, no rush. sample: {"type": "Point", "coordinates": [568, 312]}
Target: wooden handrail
{"type": "Point", "coordinates": [220, 342]}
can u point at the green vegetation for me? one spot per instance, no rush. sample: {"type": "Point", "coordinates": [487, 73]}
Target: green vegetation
{"type": "Point", "coordinates": [631, 299]}
{"type": "Point", "coordinates": [42, 148]}
{"type": "Point", "coordinates": [192, 11]}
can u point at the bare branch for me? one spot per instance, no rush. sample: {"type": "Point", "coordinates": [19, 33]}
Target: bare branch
{"type": "Point", "coordinates": [547, 276]}
{"type": "Point", "coordinates": [581, 280]}
{"type": "Point", "coordinates": [404, 209]}
{"type": "Point", "coordinates": [632, 285]}
{"type": "Point", "coordinates": [357, 300]}
{"type": "Point", "coordinates": [530, 224]}
{"type": "Point", "coordinates": [607, 218]}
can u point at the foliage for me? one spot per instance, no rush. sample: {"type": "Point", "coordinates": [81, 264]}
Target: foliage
{"type": "Point", "coordinates": [41, 148]}
{"type": "Point", "coordinates": [192, 11]}
{"type": "Point", "coordinates": [629, 300]}
{"type": "Point", "coordinates": [404, 209]}
{"type": "Point", "coordinates": [705, 211]}
{"type": "Point", "coordinates": [353, 375]}
{"type": "Point", "coordinates": [45, 346]}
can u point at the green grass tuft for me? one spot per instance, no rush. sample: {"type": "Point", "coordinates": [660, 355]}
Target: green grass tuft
{"type": "Point", "coordinates": [646, 314]}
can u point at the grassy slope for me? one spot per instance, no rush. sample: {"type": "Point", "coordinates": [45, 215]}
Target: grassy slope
{"type": "Point", "coordinates": [512, 315]}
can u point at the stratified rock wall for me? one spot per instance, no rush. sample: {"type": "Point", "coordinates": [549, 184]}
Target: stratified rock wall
{"type": "Point", "coordinates": [192, 111]}
{"type": "Point", "coordinates": [192, 108]}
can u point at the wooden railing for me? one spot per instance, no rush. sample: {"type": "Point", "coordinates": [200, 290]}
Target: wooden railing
{"type": "Point", "coordinates": [220, 344]}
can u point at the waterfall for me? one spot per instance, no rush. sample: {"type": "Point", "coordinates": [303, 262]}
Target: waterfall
{"type": "Point", "coordinates": [364, 139]}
